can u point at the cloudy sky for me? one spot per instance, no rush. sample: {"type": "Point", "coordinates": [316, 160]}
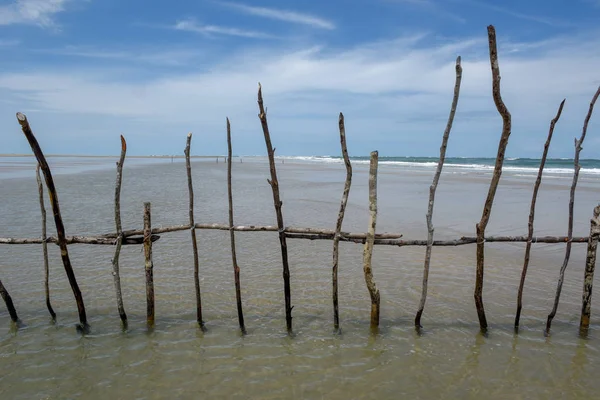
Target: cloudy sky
{"type": "Point", "coordinates": [86, 71]}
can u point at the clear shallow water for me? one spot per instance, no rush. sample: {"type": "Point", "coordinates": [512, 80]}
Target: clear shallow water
{"type": "Point", "coordinates": [451, 360]}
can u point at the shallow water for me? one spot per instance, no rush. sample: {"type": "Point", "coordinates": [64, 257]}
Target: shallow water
{"type": "Point", "coordinates": [450, 360]}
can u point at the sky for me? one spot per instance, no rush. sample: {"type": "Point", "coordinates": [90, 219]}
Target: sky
{"type": "Point", "coordinates": [86, 71]}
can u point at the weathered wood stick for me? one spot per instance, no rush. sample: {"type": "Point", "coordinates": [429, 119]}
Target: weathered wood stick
{"type": "Point", "coordinates": [432, 190]}
{"type": "Point", "coordinates": [9, 303]}
{"type": "Point", "coordinates": [60, 228]}
{"type": "Point", "coordinates": [577, 167]}
{"type": "Point", "coordinates": [115, 260]}
{"type": "Point", "coordinates": [368, 248]}
{"type": "Point", "coordinates": [44, 244]}
{"type": "Point", "coordinates": [188, 166]}
{"type": "Point", "coordinates": [278, 203]}
{"type": "Point", "coordinates": [236, 268]}
{"type": "Point", "coordinates": [102, 240]}
{"type": "Point", "coordinates": [536, 187]}
{"type": "Point", "coordinates": [148, 267]}
{"type": "Point", "coordinates": [588, 280]}
{"type": "Point", "coordinates": [340, 220]}
{"type": "Point", "coordinates": [487, 208]}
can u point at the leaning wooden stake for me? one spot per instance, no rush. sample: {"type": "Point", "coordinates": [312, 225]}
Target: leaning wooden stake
{"type": "Point", "coordinates": [340, 220]}
{"type": "Point", "coordinates": [9, 303]}
{"type": "Point", "coordinates": [236, 268]}
{"type": "Point", "coordinates": [577, 167]}
{"type": "Point", "coordinates": [432, 190]}
{"type": "Point", "coordinates": [590, 266]}
{"type": "Point", "coordinates": [148, 267]}
{"type": "Point", "coordinates": [188, 166]}
{"type": "Point", "coordinates": [487, 208]}
{"type": "Point", "coordinates": [115, 261]}
{"type": "Point", "coordinates": [60, 228]}
{"type": "Point", "coordinates": [278, 203]}
{"type": "Point", "coordinates": [44, 243]}
{"type": "Point", "coordinates": [368, 248]}
{"type": "Point", "coordinates": [536, 187]}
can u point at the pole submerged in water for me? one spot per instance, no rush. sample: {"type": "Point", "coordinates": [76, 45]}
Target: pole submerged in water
{"type": "Point", "coordinates": [44, 244]}
{"type": "Point", "coordinates": [278, 203]}
{"type": "Point", "coordinates": [236, 268]}
{"type": "Point", "coordinates": [9, 303]}
{"type": "Point", "coordinates": [188, 166]}
{"type": "Point", "coordinates": [60, 228]}
{"type": "Point", "coordinates": [588, 279]}
{"type": "Point", "coordinates": [432, 190]}
{"type": "Point", "coordinates": [340, 220]}
{"type": "Point", "coordinates": [148, 266]}
{"type": "Point", "coordinates": [119, 228]}
{"type": "Point", "coordinates": [368, 248]}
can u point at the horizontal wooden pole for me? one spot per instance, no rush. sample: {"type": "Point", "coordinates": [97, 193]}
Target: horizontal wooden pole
{"type": "Point", "coordinates": [78, 240]}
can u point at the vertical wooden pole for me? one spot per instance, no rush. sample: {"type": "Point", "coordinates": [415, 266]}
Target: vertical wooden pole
{"type": "Point", "coordinates": [577, 167]}
{"type": "Point", "coordinates": [536, 187]}
{"type": "Point", "coordinates": [188, 165]}
{"type": "Point", "coordinates": [487, 208]}
{"type": "Point", "coordinates": [148, 266]}
{"type": "Point", "coordinates": [340, 220]}
{"type": "Point", "coordinates": [9, 303]}
{"type": "Point", "coordinates": [236, 268]}
{"type": "Point", "coordinates": [44, 244]}
{"type": "Point", "coordinates": [432, 190]}
{"type": "Point", "coordinates": [115, 261]}
{"type": "Point", "coordinates": [60, 228]}
{"type": "Point", "coordinates": [370, 240]}
{"type": "Point", "coordinates": [278, 203]}
{"type": "Point", "coordinates": [590, 266]}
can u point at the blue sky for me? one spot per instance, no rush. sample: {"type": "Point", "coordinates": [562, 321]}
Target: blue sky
{"type": "Point", "coordinates": [86, 71]}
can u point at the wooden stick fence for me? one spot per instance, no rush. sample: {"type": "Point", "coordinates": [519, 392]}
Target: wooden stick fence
{"type": "Point", "coordinates": [148, 235]}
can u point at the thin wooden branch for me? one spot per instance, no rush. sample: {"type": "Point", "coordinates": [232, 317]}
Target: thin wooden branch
{"type": "Point", "coordinates": [487, 208]}
{"type": "Point", "coordinates": [577, 167]}
{"type": "Point", "coordinates": [236, 268]}
{"type": "Point", "coordinates": [193, 233]}
{"type": "Point", "coordinates": [278, 203]}
{"type": "Point", "coordinates": [148, 267]}
{"type": "Point", "coordinates": [590, 266]}
{"type": "Point", "coordinates": [432, 190]}
{"type": "Point", "coordinates": [115, 260]}
{"type": "Point", "coordinates": [44, 244]}
{"type": "Point", "coordinates": [536, 187]}
{"type": "Point", "coordinates": [368, 248]}
{"type": "Point", "coordinates": [103, 240]}
{"type": "Point", "coordinates": [60, 228]}
{"type": "Point", "coordinates": [340, 220]}
{"type": "Point", "coordinates": [9, 303]}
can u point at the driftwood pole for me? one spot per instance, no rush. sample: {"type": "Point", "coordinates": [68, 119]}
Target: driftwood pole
{"type": "Point", "coordinates": [44, 244]}
{"type": "Point", "coordinates": [60, 228]}
{"type": "Point", "coordinates": [148, 266]}
{"type": "Point", "coordinates": [487, 208]}
{"type": "Point", "coordinates": [577, 167]}
{"type": "Point", "coordinates": [188, 166]}
{"type": "Point", "coordinates": [236, 268]}
{"type": "Point", "coordinates": [340, 220]}
{"type": "Point", "coordinates": [536, 187]}
{"type": "Point", "coordinates": [432, 190]}
{"type": "Point", "coordinates": [278, 203]}
{"type": "Point", "coordinates": [590, 266]}
{"type": "Point", "coordinates": [115, 260]}
{"type": "Point", "coordinates": [9, 303]}
{"type": "Point", "coordinates": [368, 248]}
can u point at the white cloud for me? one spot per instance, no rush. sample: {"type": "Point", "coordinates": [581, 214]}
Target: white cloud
{"type": "Point", "coordinates": [192, 26]}
{"type": "Point", "coordinates": [283, 15]}
{"type": "Point", "coordinates": [393, 93]}
{"type": "Point", "coordinates": [36, 12]}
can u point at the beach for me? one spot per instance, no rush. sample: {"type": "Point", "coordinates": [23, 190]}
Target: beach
{"type": "Point", "coordinates": [451, 359]}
